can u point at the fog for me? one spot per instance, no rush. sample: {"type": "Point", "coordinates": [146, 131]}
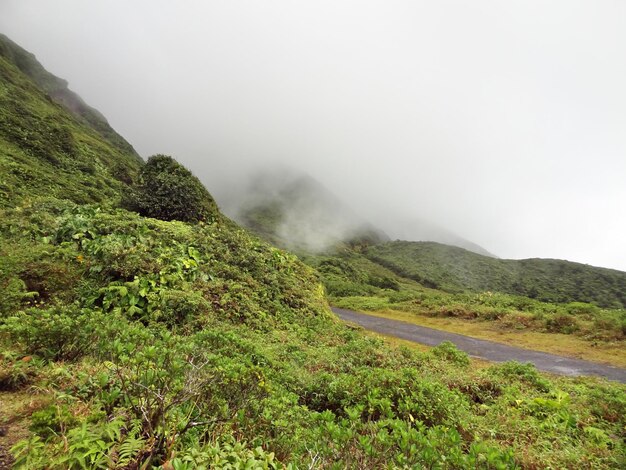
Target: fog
{"type": "Point", "coordinates": [300, 213]}
{"type": "Point", "coordinates": [504, 122]}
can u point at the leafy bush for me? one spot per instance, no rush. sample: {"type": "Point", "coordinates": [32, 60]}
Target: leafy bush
{"type": "Point", "coordinates": [527, 372]}
{"type": "Point", "coordinates": [18, 373]}
{"type": "Point", "coordinates": [448, 351]}
{"type": "Point", "coordinates": [168, 191]}
{"type": "Point", "coordinates": [53, 419]}
{"type": "Point", "coordinates": [225, 453]}
{"type": "Point", "coordinates": [55, 333]}
{"type": "Point", "coordinates": [562, 323]}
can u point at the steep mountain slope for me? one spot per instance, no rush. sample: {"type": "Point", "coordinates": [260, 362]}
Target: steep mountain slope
{"type": "Point", "coordinates": [57, 89]}
{"type": "Point", "coordinates": [456, 270]}
{"type": "Point", "coordinates": [45, 149]}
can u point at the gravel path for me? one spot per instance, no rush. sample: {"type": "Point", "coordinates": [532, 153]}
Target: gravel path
{"type": "Point", "coordinates": [489, 350]}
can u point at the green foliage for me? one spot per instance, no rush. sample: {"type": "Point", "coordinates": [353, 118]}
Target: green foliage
{"type": "Point", "coordinates": [448, 351]}
{"type": "Point", "coordinates": [168, 191]}
{"type": "Point", "coordinates": [54, 333]}
{"type": "Point", "coordinates": [527, 373]}
{"type": "Point", "coordinates": [562, 323]}
{"type": "Point", "coordinates": [54, 419]}
{"type": "Point", "coordinates": [225, 454]}
{"type": "Point", "coordinates": [457, 270]}
{"type": "Point", "coordinates": [47, 151]}
{"type": "Point", "coordinates": [18, 372]}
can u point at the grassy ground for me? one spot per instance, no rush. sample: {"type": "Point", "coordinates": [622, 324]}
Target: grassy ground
{"type": "Point", "coordinates": [15, 411]}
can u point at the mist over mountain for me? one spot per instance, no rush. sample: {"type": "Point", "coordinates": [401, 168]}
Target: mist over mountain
{"type": "Point", "coordinates": [417, 229]}
{"type": "Point", "coordinates": [296, 211]}
{"type": "Point", "coordinates": [500, 121]}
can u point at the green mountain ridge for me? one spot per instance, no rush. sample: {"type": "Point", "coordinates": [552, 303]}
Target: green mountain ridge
{"type": "Point", "coordinates": [57, 89]}
{"type": "Point", "coordinates": [456, 270]}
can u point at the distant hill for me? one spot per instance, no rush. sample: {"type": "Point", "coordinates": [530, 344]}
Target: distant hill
{"type": "Point", "coordinates": [455, 270]}
{"type": "Point", "coordinates": [51, 142]}
{"type": "Point", "coordinates": [295, 211]}
{"type": "Point", "coordinates": [421, 230]}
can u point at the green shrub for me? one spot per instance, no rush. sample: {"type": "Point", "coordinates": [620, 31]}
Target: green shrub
{"type": "Point", "coordinates": [578, 308]}
{"type": "Point", "coordinates": [562, 323]}
{"type": "Point", "coordinates": [449, 352]}
{"type": "Point", "coordinates": [384, 282]}
{"type": "Point", "coordinates": [226, 453]}
{"type": "Point", "coordinates": [168, 191]}
{"type": "Point", "coordinates": [55, 333]}
{"type": "Point", "coordinates": [18, 373]}
{"type": "Point", "coordinates": [51, 420]}
{"type": "Point", "coordinates": [524, 372]}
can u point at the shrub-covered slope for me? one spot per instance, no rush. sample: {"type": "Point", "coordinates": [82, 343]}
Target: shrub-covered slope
{"type": "Point", "coordinates": [146, 342]}
{"type": "Point", "coordinates": [57, 89]}
{"type": "Point", "coordinates": [456, 270]}
{"type": "Point", "coordinates": [130, 342]}
{"type": "Point", "coordinates": [45, 149]}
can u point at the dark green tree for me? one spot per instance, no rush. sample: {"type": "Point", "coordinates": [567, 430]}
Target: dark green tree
{"type": "Point", "coordinates": [169, 191]}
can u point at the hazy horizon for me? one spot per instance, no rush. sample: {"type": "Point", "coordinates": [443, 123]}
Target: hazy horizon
{"type": "Point", "coordinates": [503, 122]}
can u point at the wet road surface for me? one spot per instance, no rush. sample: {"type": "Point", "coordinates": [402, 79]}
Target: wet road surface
{"type": "Point", "coordinates": [480, 348]}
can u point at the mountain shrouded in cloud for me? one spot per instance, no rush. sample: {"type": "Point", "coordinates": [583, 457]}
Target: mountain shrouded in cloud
{"type": "Point", "coordinates": [297, 211]}
{"type": "Point", "coordinates": [501, 121]}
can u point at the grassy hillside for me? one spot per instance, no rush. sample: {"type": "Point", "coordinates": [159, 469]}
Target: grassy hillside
{"type": "Point", "coordinates": [130, 342]}
{"type": "Point", "coordinates": [456, 270]}
{"type": "Point", "coordinates": [47, 151]}
{"type": "Point", "coordinates": [57, 89]}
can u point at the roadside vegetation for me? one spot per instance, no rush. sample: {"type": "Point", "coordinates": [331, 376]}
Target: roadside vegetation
{"type": "Point", "coordinates": [575, 329]}
{"type": "Point", "coordinates": [149, 342]}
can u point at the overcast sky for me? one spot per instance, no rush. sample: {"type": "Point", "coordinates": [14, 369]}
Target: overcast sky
{"type": "Point", "coordinates": [504, 121]}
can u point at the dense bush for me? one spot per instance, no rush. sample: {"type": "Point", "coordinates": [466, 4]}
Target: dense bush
{"type": "Point", "coordinates": [168, 191]}
{"type": "Point", "coordinates": [54, 333]}
{"type": "Point", "coordinates": [448, 351]}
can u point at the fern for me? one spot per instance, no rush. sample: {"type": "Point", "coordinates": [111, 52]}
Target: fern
{"type": "Point", "coordinates": [29, 453]}
{"type": "Point", "coordinates": [130, 447]}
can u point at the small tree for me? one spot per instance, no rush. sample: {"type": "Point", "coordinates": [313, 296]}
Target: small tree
{"type": "Point", "coordinates": [169, 191]}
